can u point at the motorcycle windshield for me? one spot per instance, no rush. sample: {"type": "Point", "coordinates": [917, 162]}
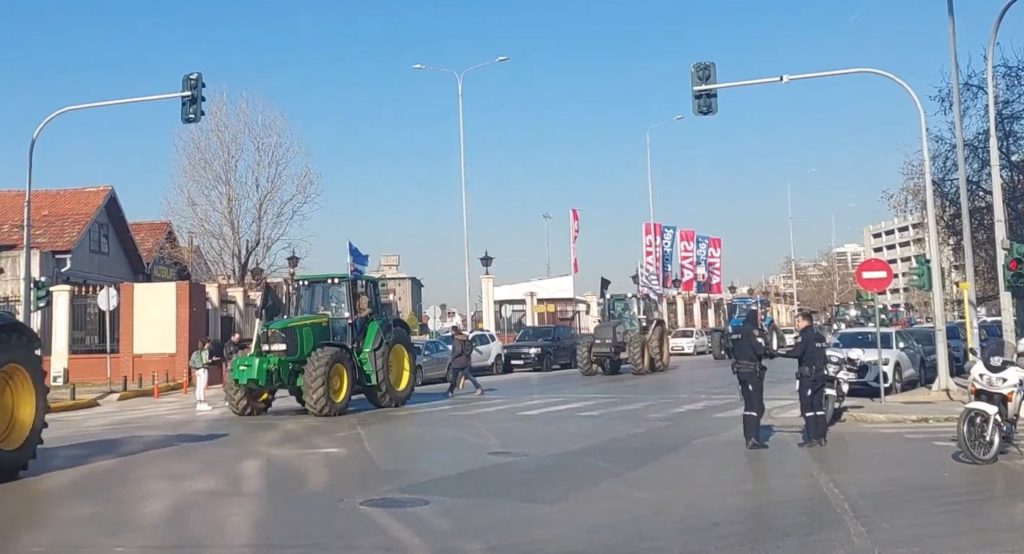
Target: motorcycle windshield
{"type": "Point", "coordinates": [998, 355]}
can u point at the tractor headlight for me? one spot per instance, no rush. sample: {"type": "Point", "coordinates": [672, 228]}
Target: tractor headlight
{"type": "Point", "coordinates": [275, 347]}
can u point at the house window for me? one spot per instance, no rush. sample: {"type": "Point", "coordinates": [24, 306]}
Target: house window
{"type": "Point", "coordinates": [99, 239]}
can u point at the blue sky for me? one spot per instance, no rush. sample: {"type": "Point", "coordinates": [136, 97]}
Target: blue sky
{"type": "Point", "coordinates": [561, 125]}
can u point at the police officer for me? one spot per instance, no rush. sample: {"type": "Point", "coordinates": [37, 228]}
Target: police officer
{"type": "Point", "coordinates": [748, 347]}
{"type": "Point", "coordinates": [810, 355]}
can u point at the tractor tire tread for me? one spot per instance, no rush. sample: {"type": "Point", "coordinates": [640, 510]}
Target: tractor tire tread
{"type": "Point", "coordinates": [382, 395]}
{"type": "Point", "coordinates": [16, 348]}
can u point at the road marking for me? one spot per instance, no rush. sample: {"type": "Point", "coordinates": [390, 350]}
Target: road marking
{"type": "Point", "coordinates": [931, 435]}
{"type": "Point", "coordinates": [507, 406]}
{"type": "Point", "coordinates": [621, 408]}
{"type": "Point", "coordinates": [939, 443]}
{"type": "Point", "coordinates": [768, 405]}
{"type": "Point", "coordinates": [561, 407]}
{"type": "Point", "coordinates": [694, 406]}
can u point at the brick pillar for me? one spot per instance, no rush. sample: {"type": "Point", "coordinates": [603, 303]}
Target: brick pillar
{"type": "Point", "coordinates": [60, 333]}
{"type": "Point", "coordinates": [126, 330]}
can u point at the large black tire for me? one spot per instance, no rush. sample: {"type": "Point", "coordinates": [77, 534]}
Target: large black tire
{"type": "Point", "coordinates": [395, 381]}
{"type": "Point", "coordinates": [611, 367]}
{"type": "Point", "coordinates": [23, 404]}
{"type": "Point", "coordinates": [636, 351]}
{"type": "Point", "coordinates": [327, 381]}
{"type": "Point", "coordinates": [584, 357]}
{"type": "Point", "coordinates": [243, 401]}
{"type": "Point", "coordinates": [657, 348]}
{"type": "Point", "coordinates": [718, 346]}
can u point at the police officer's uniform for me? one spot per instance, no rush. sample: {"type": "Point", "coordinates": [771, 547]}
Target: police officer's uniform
{"type": "Point", "coordinates": [810, 354]}
{"type": "Point", "coordinates": [748, 351]}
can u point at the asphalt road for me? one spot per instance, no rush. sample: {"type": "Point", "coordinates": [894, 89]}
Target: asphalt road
{"type": "Point", "coordinates": [544, 463]}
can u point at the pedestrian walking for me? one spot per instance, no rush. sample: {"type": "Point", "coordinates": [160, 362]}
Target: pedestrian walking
{"type": "Point", "coordinates": [462, 352]}
{"type": "Point", "coordinates": [748, 346]}
{"type": "Point", "coordinates": [199, 362]}
{"type": "Point", "coordinates": [810, 355]}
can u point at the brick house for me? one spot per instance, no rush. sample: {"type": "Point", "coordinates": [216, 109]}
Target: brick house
{"type": "Point", "coordinates": [163, 255]}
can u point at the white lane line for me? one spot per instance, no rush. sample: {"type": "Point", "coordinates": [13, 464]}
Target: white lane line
{"type": "Point", "coordinates": [905, 426]}
{"type": "Point", "coordinates": [561, 407]}
{"type": "Point", "coordinates": [768, 405]}
{"type": "Point", "coordinates": [432, 409]}
{"type": "Point", "coordinates": [933, 435]}
{"type": "Point", "coordinates": [695, 406]}
{"type": "Point", "coordinates": [939, 443]}
{"type": "Point", "coordinates": [621, 408]}
{"type": "Point", "coordinates": [507, 406]}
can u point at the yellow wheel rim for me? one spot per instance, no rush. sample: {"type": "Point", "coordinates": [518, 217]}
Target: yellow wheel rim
{"type": "Point", "coordinates": [17, 406]}
{"type": "Point", "coordinates": [337, 383]}
{"type": "Point", "coordinates": [399, 367]}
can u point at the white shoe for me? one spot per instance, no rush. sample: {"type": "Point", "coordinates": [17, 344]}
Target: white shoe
{"type": "Point", "coordinates": [204, 407]}
{"type": "Point", "coordinates": [199, 406]}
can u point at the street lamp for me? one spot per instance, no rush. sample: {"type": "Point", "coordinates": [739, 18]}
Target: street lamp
{"type": "Point", "coordinates": [650, 180]}
{"type": "Point", "coordinates": [486, 260]}
{"type": "Point", "coordinates": [459, 76]}
{"type": "Point", "coordinates": [635, 277]}
{"type": "Point", "coordinates": [293, 262]}
{"type": "Point", "coordinates": [547, 241]}
{"type": "Point", "coordinates": [732, 289]}
{"type": "Point", "coordinates": [256, 274]}
{"type": "Point", "coordinates": [676, 283]}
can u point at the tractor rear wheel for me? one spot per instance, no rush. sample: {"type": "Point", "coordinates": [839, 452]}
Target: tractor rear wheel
{"type": "Point", "coordinates": [584, 357]}
{"type": "Point", "coordinates": [657, 348]}
{"type": "Point", "coordinates": [636, 351]}
{"type": "Point", "coordinates": [23, 404]}
{"type": "Point", "coordinates": [395, 381]}
{"type": "Point", "coordinates": [243, 401]}
{"type": "Point", "coordinates": [611, 367]}
{"type": "Point", "coordinates": [718, 346]}
{"type": "Point", "coordinates": [327, 381]}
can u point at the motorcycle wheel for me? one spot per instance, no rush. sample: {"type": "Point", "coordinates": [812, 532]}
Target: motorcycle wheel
{"type": "Point", "coordinates": [970, 436]}
{"type": "Point", "coordinates": [830, 408]}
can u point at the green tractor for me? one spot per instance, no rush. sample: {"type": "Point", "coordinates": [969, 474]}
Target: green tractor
{"type": "Point", "coordinates": [323, 351]}
{"type": "Point", "coordinates": [23, 393]}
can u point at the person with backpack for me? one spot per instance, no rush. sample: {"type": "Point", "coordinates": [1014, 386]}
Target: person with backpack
{"type": "Point", "coordinates": [462, 352]}
{"type": "Point", "coordinates": [199, 362]}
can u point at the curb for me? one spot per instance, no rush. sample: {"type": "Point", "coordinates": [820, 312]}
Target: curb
{"type": "Point", "coordinates": [73, 405]}
{"type": "Point", "coordinates": [148, 393]}
{"type": "Point", "coordinates": [898, 418]}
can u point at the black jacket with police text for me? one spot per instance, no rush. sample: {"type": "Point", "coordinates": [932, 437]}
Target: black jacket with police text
{"type": "Point", "coordinates": [748, 341]}
{"type": "Point", "coordinates": [809, 350]}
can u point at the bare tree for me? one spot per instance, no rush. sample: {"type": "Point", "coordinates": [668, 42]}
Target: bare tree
{"type": "Point", "coordinates": [243, 186]}
{"type": "Point", "coordinates": [821, 282]}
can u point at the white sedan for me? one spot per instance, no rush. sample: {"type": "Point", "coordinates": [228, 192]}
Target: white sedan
{"type": "Point", "coordinates": [689, 341]}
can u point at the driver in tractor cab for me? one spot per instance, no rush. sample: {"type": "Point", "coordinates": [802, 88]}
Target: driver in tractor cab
{"type": "Point", "coordinates": [363, 310]}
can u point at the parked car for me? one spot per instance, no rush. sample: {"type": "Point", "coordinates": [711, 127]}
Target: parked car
{"type": "Point", "coordinates": [902, 361]}
{"type": "Point", "coordinates": [790, 334]}
{"type": "Point", "coordinates": [925, 337]}
{"type": "Point", "coordinates": [956, 343]}
{"type": "Point", "coordinates": [689, 341]}
{"type": "Point", "coordinates": [488, 352]}
{"type": "Point", "coordinates": [433, 361]}
{"type": "Point", "coordinates": [541, 348]}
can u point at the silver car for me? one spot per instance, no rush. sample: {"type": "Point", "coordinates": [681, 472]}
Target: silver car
{"type": "Point", "coordinates": [433, 361]}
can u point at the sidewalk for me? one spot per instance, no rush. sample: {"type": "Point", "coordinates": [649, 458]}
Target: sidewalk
{"type": "Point", "coordinates": [919, 405]}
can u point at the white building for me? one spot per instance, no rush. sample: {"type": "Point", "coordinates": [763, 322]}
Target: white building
{"type": "Point", "coordinates": [848, 256]}
{"type": "Point", "coordinates": [897, 241]}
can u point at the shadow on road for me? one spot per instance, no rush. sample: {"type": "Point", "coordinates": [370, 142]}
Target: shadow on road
{"type": "Point", "coordinates": [90, 452]}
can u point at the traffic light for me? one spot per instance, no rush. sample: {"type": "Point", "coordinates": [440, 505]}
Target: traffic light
{"type": "Point", "coordinates": [921, 274]}
{"type": "Point", "coordinates": [705, 102]}
{"type": "Point", "coordinates": [1013, 266]}
{"type": "Point", "coordinates": [192, 105]}
{"type": "Point", "coordinates": [40, 294]}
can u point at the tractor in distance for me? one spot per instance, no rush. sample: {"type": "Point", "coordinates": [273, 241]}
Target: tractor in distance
{"type": "Point", "coordinates": [23, 393]}
{"type": "Point", "coordinates": [323, 351]}
{"type": "Point", "coordinates": [736, 312]}
{"type": "Point", "coordinates": [630, 331]}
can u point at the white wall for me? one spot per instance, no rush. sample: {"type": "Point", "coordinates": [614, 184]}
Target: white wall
{"type": "Point", "coordinates": [154, 318]}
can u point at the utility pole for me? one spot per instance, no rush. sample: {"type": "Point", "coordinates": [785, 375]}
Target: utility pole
{"type": "Point", "coordinates": [792, 243]}
{"type": "Point", "coordinates": [835, 264]}
{"type": "Point", "coordinates": [547, 241]}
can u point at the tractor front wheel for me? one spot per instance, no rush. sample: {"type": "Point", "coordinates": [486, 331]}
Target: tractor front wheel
{"type": "Point", "coordinates": [395, 380]}
{"type": "Point", "coordinates": [243, 401]}
{"type": "Point", "coordinates": [657, 348]}
{"type": "Point", "coordinates": [327, 381]}
{"type": "Point", "coordinates": [585, 357]}
{"type": "Point", "coordinates": [22, 404]}
{"type": "Point", "coordinates": [718, 346]}
{"type": "Point", "coordinates": [636, 351]}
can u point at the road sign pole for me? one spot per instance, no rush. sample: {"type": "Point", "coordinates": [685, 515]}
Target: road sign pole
{"type": "Point", "coordinates": [106, 317]}
{"type": "Point", "coordinates": [878, 339]}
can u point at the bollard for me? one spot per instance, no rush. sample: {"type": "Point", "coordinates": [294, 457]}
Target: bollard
{"type": "Point", "coordinates": [71, 392]}
{"type": "Point", "coordinates": [167, 376]}
{"type": "Point", "coordinates": [124, 383]}
{"type": "Point", "coordinates": [184, 383]}
{"type": "Point", "coordinates": [156, 388]}
{"type": "Point", "coordinates": [140, 381]}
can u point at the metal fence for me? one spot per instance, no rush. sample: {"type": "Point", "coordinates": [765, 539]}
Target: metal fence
{"type": "Point", "coordinates": [10, 304]}
{"type": "Point", "coordinates": [88, 326]}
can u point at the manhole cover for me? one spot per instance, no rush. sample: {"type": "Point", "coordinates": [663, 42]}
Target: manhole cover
{"type": "Point", "coordinates": [395, 502]}
{"type": "Point", "coordinates": [507, 454]}
{"type": "Point", "coordinates": [788, 428]}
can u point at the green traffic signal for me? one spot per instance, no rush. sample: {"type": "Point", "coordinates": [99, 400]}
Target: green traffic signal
{"type": "Point", "coordinates": [192, 105]}
{"type": "Point", "coordinates": [705, 102]}
{"type": "Point", "coordinates": [40, 294]}
{"type": "Point", "coordinates": [921, 274]}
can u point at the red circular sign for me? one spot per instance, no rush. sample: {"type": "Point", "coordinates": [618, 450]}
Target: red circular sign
{"type": "Point", "coordinates": [873, 275]}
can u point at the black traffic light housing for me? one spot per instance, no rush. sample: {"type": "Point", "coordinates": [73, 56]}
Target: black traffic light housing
{"type": "Point", "coordinates": [921, 275]}
{"type": "Point", "coordinates": [1013, 266]}
{"type": "Point", "coordinates": [40, 294]}
{"type": "Point", "coordinates": [705, 102]}
{"type": "Point", "coordinates": [192, 105]}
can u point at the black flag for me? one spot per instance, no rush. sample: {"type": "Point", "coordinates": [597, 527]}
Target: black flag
{"type": "Point", "coordinates": [270, 303]}
{"type": "Point", "coordinates": [605, 283]}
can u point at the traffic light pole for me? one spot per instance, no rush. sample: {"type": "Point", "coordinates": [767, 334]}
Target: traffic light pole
{"type": "Point", "coordinates": [943, 381]}
{"type": "Point", "coordinates": [26, 268]}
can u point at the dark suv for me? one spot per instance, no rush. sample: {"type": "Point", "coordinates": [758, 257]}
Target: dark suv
{"type": "Point", "coordinates": [541, 347]}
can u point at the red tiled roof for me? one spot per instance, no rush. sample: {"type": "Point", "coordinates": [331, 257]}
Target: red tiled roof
{"type": "Point", "coordinates": [59, 216]}
{"type": "Point", "coordinates": [149, 237]}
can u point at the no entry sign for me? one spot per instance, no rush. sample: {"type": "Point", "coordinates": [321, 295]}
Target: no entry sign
{"type": "Point", "coordinates": [873, 275]}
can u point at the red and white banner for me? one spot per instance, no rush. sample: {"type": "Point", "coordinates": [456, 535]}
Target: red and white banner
{"type": "Point", "coordinates": [715, 265]}
{"type": "Point", "coordinates": [687, 259]}
{"type": "Point", "coordinates": [574, 233]}
{"type": "Point", "coordinates": [652, 256]}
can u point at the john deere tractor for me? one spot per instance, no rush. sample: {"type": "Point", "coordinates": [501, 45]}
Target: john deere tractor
{"type": "Point", "coordinates": [324, 351]}
{"type": "Point", "coordinates": [630, 331]}
{"type": "Point", "coordinates": [23, 393]}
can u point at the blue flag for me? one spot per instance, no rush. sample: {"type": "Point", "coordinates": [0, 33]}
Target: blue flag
{"type": "Point", "coordinates": [357, 261]}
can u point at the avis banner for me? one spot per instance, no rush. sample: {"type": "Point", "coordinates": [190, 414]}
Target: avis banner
{"type": "Point", "coordinates": [715, 265]}
{"type": "Point", "coordinates": [668, 250]}
{"type": "Point", "coordinates": [701, 257]}
{"type": "Point", "coordinates": [651, 274]}
{"type": "Point", "coordinates": [687, 263]}
{"type": "Point", "coordinates": [574, 233]}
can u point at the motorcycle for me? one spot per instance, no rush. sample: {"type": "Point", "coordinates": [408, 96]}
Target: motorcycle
{"type": "Point", "coordinates": [996, 386]}
{"type": "Point", "coordinates": [839, 370]}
